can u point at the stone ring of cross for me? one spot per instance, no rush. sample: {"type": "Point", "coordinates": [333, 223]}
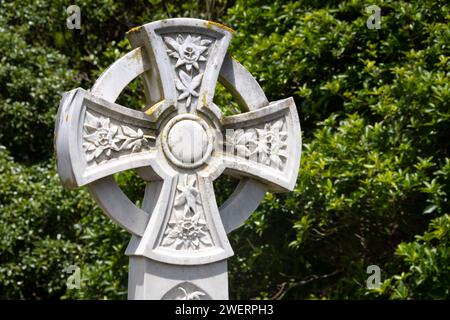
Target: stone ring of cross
{"type": "Point", "coordinates": [179, 144]}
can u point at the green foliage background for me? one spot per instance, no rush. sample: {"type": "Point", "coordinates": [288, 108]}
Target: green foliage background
{"type": "Point", "coordinates": [374, 182]}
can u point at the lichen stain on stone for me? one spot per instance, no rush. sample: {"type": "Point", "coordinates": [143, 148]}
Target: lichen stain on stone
{"type": "Point", "coordinates": [212, 23]}
{"type": "Point", "coordinates": [135, 29]}
{"type": "Point", "coordinates": [233, 58]}
{"type": "Point", "coordinates": [153, 108]}
{"type": "Point", "coordinates": [136, 55]}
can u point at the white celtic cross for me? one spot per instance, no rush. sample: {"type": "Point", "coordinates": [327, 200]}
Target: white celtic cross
{"type": "Point", "coordinates": [179, 144]}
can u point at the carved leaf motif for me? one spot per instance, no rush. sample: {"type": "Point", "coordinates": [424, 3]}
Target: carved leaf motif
{"type": "Point", "coordinates": [195, 83]}
{"type": "Point", "coordinates": [91, 123]}
{"type": "Point", "coordinates": [277, 125]}
{"type": "Point", "coordinates": [172, 235]}
{"type": "Point", "coordinates": [242, 151]}
{"type": "Point", "coordinates": [188, 85]}
{"type": "Point", "coordinates": [126, 145]}
{"type": "Point", "coordinates": [188, 195]}
{"type": "Point", "coordinates": [196, 295]}
{"type": "Point", "coordinates": [173, 44]}
{"type": "Point", "coordinates": [181, 87]}
{"type": "Point", "coordinates": [88, 146]}
{"type": "Point", "coordinates": [274, 158]}
{"type": "Point", "coordinates": [205, 42]}
{"type": "Point", "coordinates": [98, 152]}
{"type": "Point", "coordinates": [104, 122]}
{"type": "Point", "coordinates": [179, 200]}
{"type": "Point", "coordinates": [129, 132]}
{"type": "Point", "coordinates": [243, 138]}
{"type": "Point", "coordinates": [112, 132]}
{"type": "Point", "coordinates": [206, 241]}
{"type": "Point", "coordinates": [242, 141]}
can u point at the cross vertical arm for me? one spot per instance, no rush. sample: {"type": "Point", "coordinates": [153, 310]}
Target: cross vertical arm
{"type": "Point", "coordinates": [187, 61]}
{"type": "Point", "coordinates": [185, 227]}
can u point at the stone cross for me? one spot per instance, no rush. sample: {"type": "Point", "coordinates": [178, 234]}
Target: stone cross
{"type": "Point", "coordinates": [179, 144]}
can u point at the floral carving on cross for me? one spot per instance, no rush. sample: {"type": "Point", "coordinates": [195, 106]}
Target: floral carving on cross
{"type": "Point", "coordinates": [268, 143]}
{"type": "Point", "coordinates": [103, 138]}
{"type": "Point", "coordinates": [189, 230]}
{"type": "Point", "coordinates": [189, 52]}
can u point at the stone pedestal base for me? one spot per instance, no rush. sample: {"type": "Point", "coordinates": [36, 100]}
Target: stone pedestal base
{"type": "Point", "coordinates": [153, 280]}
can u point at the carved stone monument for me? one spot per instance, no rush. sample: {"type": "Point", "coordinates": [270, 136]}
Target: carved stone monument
{"type": "Point", "coordinates": [180, 143]}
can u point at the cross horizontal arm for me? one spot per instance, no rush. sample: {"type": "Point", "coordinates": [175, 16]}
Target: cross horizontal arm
{"type": "Point", "coordinates": [264, 144]}
{"type": "Point", "coordinates": [96, 138]}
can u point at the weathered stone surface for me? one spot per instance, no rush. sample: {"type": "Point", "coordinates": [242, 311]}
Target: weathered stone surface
{"type": "Point", "coordinates": [180, 144]}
